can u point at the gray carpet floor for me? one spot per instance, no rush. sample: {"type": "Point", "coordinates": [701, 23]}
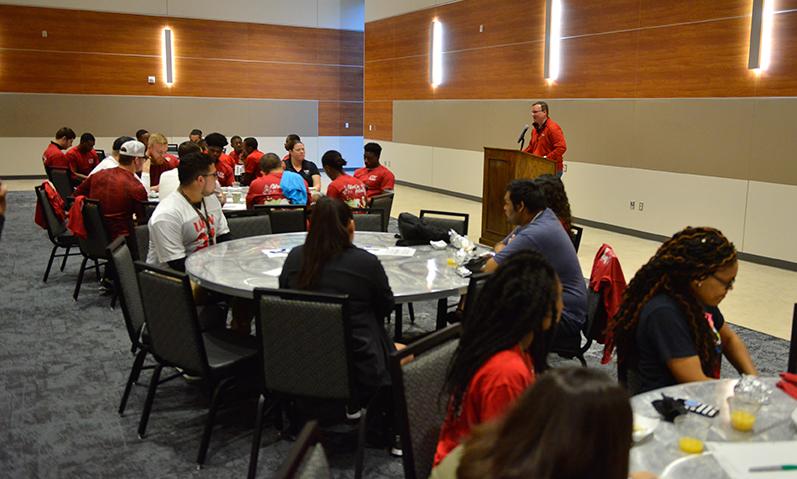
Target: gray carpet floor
{"type": "Point", "coordinates": [63, 366]}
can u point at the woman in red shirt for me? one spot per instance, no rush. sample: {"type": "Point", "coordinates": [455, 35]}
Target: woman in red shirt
{"type": "Point", "coordinates": [505, 339]}
{"type": "Point", "coordinates": [344, 187]}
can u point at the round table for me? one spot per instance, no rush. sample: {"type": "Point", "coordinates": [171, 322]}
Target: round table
{"type": "Point", "coordinates": [659, 453]}
{"type": "Point", "coordinates": [238, 267]}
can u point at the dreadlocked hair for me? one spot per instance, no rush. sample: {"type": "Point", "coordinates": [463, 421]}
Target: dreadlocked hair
{"type": "Point", "coordinates": [691, 254]}
{"type": "Point", "coordinates": [514, 301]}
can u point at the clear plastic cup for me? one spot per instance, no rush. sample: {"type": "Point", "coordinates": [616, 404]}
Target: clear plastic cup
{"type": "Point", "coordinates": [743, 413]}
{"type": "Point", "coordinates": [236, 195]}
{"type": "Point", "coordinates": [692, 432]}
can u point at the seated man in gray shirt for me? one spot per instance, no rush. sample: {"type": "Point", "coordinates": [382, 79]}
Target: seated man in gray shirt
{"type": "Point", "coordinates": [539, 229]}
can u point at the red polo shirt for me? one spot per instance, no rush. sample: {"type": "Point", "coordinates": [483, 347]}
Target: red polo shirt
{"type": "Point", "coordinates": [349, 189]}
{"type": "Point", "coordinates": [120, 195]}
{"type": "Point", "coordinates": [376, 180]}
{"type": "Point", "coordinates": [54, 156]}
{"type": "Point", "coordinates": [548, 141]}
{"type": "Point", "coordinates": [252, 163]}
{"type": "Point", "coordinates": [490, 393]}
{"type": "Point", "coordinates": [224, 172]}
{"type": "Point", "coordinates": [155, 171]}
{"type": "Point", "coordinates": [82, 163]}
{"type": "Point", "coordinates": [228, 160]}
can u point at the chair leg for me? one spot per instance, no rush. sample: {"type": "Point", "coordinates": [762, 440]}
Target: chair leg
{"type": "Point", "coordinates": [214, 405]}
{"type": "Point", "coordinates": [63, 261]}
{"type": "Point", "coordinates": [359, 456]}
{"type": "Point", "coordinates": [50, 264]}
{"type": "Point", "coordinates": [411, 309]}
{"type": "Point", "coordinates": [581, 359]}
{"type": "Point", "coordinates": [97, 270]}
{"type": "Point", "coordinates": [398, 333]}
{"type": "Point", "coordinates": [80, 276]}
{"type": "Point", "coordinates": [153, 385]}
{"type": "Point", "coordinates": [134, 372]}
{"type": "Point", "coordinates": [261, 406]}
{"type": "Point", "coordinates": [442, 314]}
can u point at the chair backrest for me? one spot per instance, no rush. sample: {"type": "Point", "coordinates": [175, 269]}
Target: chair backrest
{"type": "Point", "coordinates": [171, 318]}
{"type": "Point", "coordinates": [149, 208]}
{"type": "Point", "coordinates": [172, 148]}
{"type": "Point", "coordinates": [368, 219]}
{"type": "Point", "coordinates": [55, 226]}
{"type": "Point", "coordinates": [59, 177]}
{"type": "Point", "coordinates": [792, 366]}
{"type": "Point", "coordinates": [455, 221]}
{"type": "Point", "coordinates": [141, 235]}
{"type": "Point", "coordinates": [127, 282]}
{"type": "Point", "coordinates": [575, 235]}
{"type": "Point", "coordinates": [250, 225]}
{"type": "Point", "coordinates": [304, 343]}
{"type": "Point", "coordinates": [100, 154]}
{"type": "Point", "coordinates": [417, 388]}
{"type": "Point", "coordinates": [285, 218]}
{"type": "Point", "coordinates": [383, 202]}
{"type": "Point", "coordinates": [96, 245]}
{"type": "Point", "coordinates": [306, 459]}
{"type": "Point", "coordinates": [475, 286]}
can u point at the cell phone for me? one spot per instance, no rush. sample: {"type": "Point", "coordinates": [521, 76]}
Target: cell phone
{"type": "Point", "coordinates": [698, 407]}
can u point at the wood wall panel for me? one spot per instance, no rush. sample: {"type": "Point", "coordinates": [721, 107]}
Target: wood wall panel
{"type": "Point", "coordinates": [378, 122]}
{"type": "Point", "coordinates": [614, 49]}
{"type": "Point", "coordinates": [333, 116]}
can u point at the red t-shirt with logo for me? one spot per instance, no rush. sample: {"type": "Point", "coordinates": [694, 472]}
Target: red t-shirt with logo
{"type": "Point", "coordinates": [376, 180]}
{"type": "Point", "coordinates": [252, 163]}
{"type": "Point", "coordinates": [54, 156]}
{"type": "Point", "coordinates": [170, 162]}
{"type": "Point", "coordinates": [80, 162]}
{"type": "Point", "coordinates": [349, 189]}
{"type": "Point", "coordinates": [490, 393]}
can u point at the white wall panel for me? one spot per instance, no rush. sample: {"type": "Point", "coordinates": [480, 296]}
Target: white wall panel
{"type": "Point", "coordinates": [770, 228]}
{"type": "Point", "coordinates": [378, 9]}
{"type": "Point", "coordinates": [351, 147]}
{"type": "Point", "coordinates": [458, 170]}
{"type": "Point", "coordinates": [409, 163]}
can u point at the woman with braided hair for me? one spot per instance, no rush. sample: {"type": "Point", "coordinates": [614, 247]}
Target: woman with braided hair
{"type": "Point", "coordinates": [668, 329]}
{"type": "Point", "coordinates": [505, 339]}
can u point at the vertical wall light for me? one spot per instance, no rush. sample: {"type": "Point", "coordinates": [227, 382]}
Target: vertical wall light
{"type": "Point", "coordinates": [436, 67]}
{"type": "Point", "coordinates": [761, 35]}
{"type": "Point", "coordinates": [553, 39]}
{"type": "Point", "coordinates": [168, 57]}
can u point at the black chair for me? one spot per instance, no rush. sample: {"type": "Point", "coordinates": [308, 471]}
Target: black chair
{"type": "Point", "coordinates": [383, 202]}
{"type": "Point", "coordinates": [219, 357]}
{"type": "Point", "coordinates": [59, 236]}
{"type": "Point", "coordinates": [141, 239]}
{"type": "Point", "coordinates": [172, 148]}
{"type": "Point", "coordinates": [285, 218]}
{"type": "Point", "coordinates": [368, 219]}
{"type": "Point", "coordinates": [417, 388]}
{"type": "Point", "coordinates": [475, 286]}
{"type": "Point", "coordinates": [575, 235]}
{"type": "Point", "coordinates": [132, 310]}
{"type": "Point", "coordinates": [62, 182]}
{"type": "Point", "coordinates": [304, 344]}
{"type": "Point", "coordinates": [447, 219]}
{"type": "Point", "coordinates": [95, 246]}
{"type": "Point", "coordinates": [595, 309]}
{"type": "Point", "coordinates": [149, 208]}
{"type": "Point", "coordinates": [249, 225]}
{"type": "Point", "coordinates": [793, 345]}
{"type": "Point", "coordinates": [307, 459]}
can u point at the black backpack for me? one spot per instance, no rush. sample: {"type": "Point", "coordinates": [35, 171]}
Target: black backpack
{"type": "Point", "coordinates": [416, 231]}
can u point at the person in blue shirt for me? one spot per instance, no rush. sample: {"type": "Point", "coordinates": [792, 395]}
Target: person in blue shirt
{"type": "Point", "coordinates": [539, 229]}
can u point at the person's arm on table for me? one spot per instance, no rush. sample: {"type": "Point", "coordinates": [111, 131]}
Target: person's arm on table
{"type": "Point", "coordinates": [734, 349]}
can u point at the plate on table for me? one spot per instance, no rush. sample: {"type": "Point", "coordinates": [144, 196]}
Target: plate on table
{"type": "Point", "coordinates": [644, 427]}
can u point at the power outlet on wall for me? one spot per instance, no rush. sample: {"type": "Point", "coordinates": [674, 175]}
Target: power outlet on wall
{"type": "Point", "coordinates": [641, 206]}
{"type": "Point", "coordinates": [633, 205]}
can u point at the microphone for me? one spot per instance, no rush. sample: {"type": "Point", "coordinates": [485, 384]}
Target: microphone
{"type": "Point", "coordinates": [523, 133]}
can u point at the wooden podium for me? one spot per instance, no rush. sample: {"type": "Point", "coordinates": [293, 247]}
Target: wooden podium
{"type": "Point", "coordinates": [500, 167]}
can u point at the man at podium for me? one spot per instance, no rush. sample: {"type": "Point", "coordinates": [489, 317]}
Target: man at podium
{"type": "Point", "coordinates": [547, 139]}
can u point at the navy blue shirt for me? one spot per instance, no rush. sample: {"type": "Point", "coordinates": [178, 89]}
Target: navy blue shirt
{"type": "Point", "coordinates": [663, 334]}
{"type": "Point", "coordinates": [546, 235]}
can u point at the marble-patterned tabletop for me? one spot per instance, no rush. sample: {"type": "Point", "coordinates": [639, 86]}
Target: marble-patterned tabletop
{"type": "Point", "coordinates": [659, 452]}
{"type": "Point", "coordinates": [238, 267]}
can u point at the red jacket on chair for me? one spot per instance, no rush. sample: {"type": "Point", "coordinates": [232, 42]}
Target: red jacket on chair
{"type": "Point", "coordinates": [55, 201]}
{"type": "Point", "coordinates": [607, 279]}
{"type": "Point", "coordinates": [75, 223]}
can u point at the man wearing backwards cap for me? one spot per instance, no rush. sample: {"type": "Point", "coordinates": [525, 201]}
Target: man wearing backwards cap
{"type": "Point", "coordinates": [118, 190]}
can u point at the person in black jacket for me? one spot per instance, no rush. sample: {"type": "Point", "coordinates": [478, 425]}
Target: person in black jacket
{"type": "Point", "coordinates": [328, 262]}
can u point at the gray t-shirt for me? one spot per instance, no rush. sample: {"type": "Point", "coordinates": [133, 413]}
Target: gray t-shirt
{"type": "Point", "coordinates": [546, 235]}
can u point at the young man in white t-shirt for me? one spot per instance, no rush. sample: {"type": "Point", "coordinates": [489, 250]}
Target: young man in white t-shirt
{"type": "Point", "coordinates": [189, 219]}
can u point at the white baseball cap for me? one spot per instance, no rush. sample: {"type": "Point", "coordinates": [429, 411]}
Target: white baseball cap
{"type": "Point", "coordinates": [133, 148]}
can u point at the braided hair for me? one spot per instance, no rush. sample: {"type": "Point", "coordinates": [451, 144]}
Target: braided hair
{"type": "Point", "coordinates": [691, 254]}
{"type": "Point", "coordinates": [514, 301]}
